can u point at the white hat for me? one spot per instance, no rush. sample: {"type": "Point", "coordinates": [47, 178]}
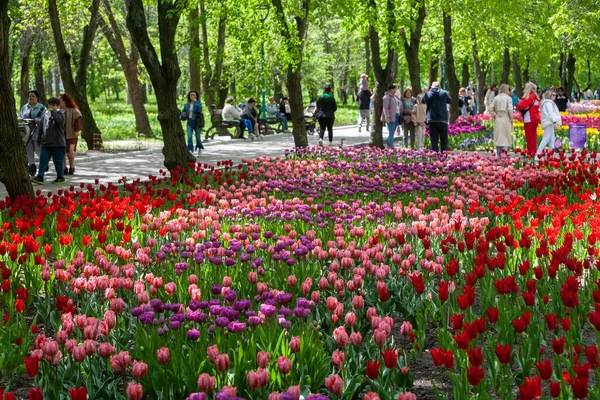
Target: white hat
{"type": "Point", "coordinates": [435, 85]}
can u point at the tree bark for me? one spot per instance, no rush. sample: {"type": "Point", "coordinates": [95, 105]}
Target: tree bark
{"type": "Point", "coordinates": [195, 52]}
{"type": "Point", "coordinates": [453, 84]}
{"type": "Point", "coordinates": [39, 75]}
{"type": "Point", "coordinates": [76, 87]}
{"type": "Point", "coordinates": [164, 76]}
{"type": "Point", "coordinates": [526, 71]}
{"type": "Point", "coordinates": [343, 89]}
{"type": "Point", "coordinates": [211, 76]}
{"type": "Point", "coordinates": [25, 45]}
{"type": "Point", "coordinates": [517, 75]}
{"type": "Point", "coordinates": [433, 69]}
{"type": "Point", "coordinates": [562, 70]}
{"type": "Point", "coordinates": [480, 74]}
{"type": "Point", "coordinates": [50, 83]}
{"type": "Point", "coordinates": [570, 73]}
{"type": "Point", "coordinates": [129, 64]}
{"type": "Point", "coordinates": [57, 79]}
{"type": "Point", "coordinates": [589, 76]}
{"type": "Point", "coordinates": [411, 47]}
{"type": "Point", "coordinates": [13, 161]}
{"type": "Point", "coordinates": [465, 75]}
{"type": "Point", "coordinates": [367, 56]}
{"type": "Point", "coordinates": [505, 65]}
{"type": "Point", "coordinates": [294, 41]}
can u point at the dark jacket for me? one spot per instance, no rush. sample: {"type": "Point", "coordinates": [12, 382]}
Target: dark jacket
{"type": "Point", "coordinates": [198, 117]}
{"type": "Point", "coordinates": [364, 99]}
{"type": "Point", "coordinates": [561, 101]}
{"type": "Point", "coordinates": [327, 104]}
{"type": "Point", "coordinates": [52, 133]}
{"type": "Point", "coordinates": [437, 101]}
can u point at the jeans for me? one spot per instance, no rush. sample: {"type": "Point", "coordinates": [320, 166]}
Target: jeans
{"type": "Point", "coordinates": [58, 155]}
{"type": "Point", "coordinates": [326, 123]}
{"type": "Point", "coordinates": [284, 122]}
{"type": "Point", "coordinates": [364, 115]}
{"type": "Point", "coordinates": [409, 132]}
{"type": "Point", "coordinates": [190, 134]}
{"type": "Point", "coordinates": [391, 131]}
{"type": "Point", "coordinates": [249, 125]}
{"type": "Point", "coordinates": [438, 131]}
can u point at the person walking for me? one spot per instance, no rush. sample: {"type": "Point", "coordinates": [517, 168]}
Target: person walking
{"type": "Point", "coordinates": [550, 120]}
{"type": "Point", "coordinates": [192, 113]}
{"type": "Point", "coordinates": [364, 108]}
{"type": "Point", "coordinates": [72, 129]}
{"type": "Point", "coordinates": [52, 141]}
{"type": "Point", "coordinates": [501, 110]}
{"type": "Point", "coordinates": [32, 111]}
{"type": "Point", "coordinates": [388, 115]}
{"type": "Point", "coordinates": [326, 108]}
{"type": "Point", "coordinates": [489, 97]}
{"type": "Point", "coordinates": [437, 101]}
{"type": "Point", "coordinates": [561, 100]}
{"type": "Point", "coordinates": [529, 106]}
{"type": "Point", "coordinates": [420, 114]}
{"type": "Point", "coordinates": [408, 125]}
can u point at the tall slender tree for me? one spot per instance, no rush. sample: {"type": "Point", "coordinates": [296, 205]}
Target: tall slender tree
{"type": "Point", "coordinates": [164, 73]}
{"type": "Point", "coordinates": [77, 87]}
{"type": "Point", "coordinates": [13, 161]}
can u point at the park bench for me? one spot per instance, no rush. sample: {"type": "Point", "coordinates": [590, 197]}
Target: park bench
{"type": "Point", "coordinates": [270, 125]}
{"type": "Point", "coordinates": [220, 127]}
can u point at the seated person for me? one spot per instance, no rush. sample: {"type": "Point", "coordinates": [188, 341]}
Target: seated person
{"type": "Point", "coordinates": [231, 113]}
{"type": "Point", "coordinates": [284, 108]}
{"type": "Point", "coordinates": [250, 117]}
{"type": "Point", "coordinates": [273, 112]}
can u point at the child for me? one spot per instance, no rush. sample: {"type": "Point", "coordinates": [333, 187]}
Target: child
{"type": "Point", "coordinates": [52, 142]}
{"type": "Point", "coordinates": [364, 82]}
{"type": "Point", "coordinates": [419, 113]}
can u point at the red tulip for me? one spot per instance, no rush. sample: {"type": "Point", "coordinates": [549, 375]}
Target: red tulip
{"type": "Point", "coordinates": [545, 369]}
{"type": "Point", "coordinates": [474, 374]}
{"type": "Point", "coordinates": [503, 352]}
{"type": "Point", "coordinates": [531, 389]}
{"type": "Point", "coordinates": [36, 394]}
{"type": "Point", "coordinates": [79, 393]}
{"type": "Point", "coordinates": [558, 345]}
{"type": "Point", "coordinates": [476, 357]}
{"type": "Point", "coordinates": [456, 321]}
{"type": "Point", "coordinates": [551, 321]}
{"type": "Point", "coordinates": [462, 340]}
{"type": "Point", "coordinates": [555, 389]}
{"type": "Point", "coordinates": [591, 353]}
{"type": "Point", "coordinates": [390, 358]}
{"type": "Point", "coordinates": [31, 365]}
{"type": "Point", "coordinates": [372, 370]}
{"type": "Point", "coordinates": [580, 387]}
{"type": "Point", "coordinates": [492, 314]}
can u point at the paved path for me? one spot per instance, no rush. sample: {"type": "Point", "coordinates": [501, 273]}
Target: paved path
{"type": "Point", "coordinates": [140, 164]}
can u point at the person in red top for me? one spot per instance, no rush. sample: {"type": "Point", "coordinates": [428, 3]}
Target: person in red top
{"type": "Point", "coordinates": [530, 103]}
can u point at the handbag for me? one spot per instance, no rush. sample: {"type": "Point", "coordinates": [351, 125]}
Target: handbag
{"type": "Point", "coordinates": [319, 115]}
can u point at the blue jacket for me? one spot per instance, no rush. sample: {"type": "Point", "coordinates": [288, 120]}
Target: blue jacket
{"type": "Point", "coordinates": [437, 101]}
{"type": "Point", "coordinates": [198, 119]}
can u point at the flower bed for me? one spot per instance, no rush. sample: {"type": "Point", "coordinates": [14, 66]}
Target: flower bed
{"type": "Point", "coordinates": [325, 274]}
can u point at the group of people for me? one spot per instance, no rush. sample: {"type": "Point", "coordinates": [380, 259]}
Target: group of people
{"type": "Point", "coordinates": [51, 133]}
{"type": "Point", "coordinates": [535, 109]}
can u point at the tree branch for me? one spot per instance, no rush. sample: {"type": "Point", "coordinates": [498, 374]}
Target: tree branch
{"type": "Point", "coordinates": [89, 32]}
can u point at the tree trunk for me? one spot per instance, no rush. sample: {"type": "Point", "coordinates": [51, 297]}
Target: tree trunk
{"type": "Point", "coordinates": [13, 161]}
{"type": "Point", "coordinates": [39, 75]}
{"type": "Point", "coordinates": [129, 64]}
{"type": "Point", "coordinates": [506, 65]}
{"type": "Point", "coordinates": [57, 79]}
{"type": "Point", "coordinates": [367, 56]}
{"type": "Point", "coordinates": [526, 71]}
{"type": "Point", "coordinates": [589, 76]}
{"type": "Point", "coordinates": [453, 84]}
{"type": "Point", "coordinates": [164, 76]}
{"type": "Point", "coordinates": [76, 87]}
{"type": "Point", "coordinates": [294, 86]}
{"type": "Point", "coordinates": [517, 75]}
{"type": "Point", "coordinates": [411, 48]}
{"type": "Point", "coordinates": [480, 74]}
{"type": "Point", "coordinates": [570, 73]}
{"type": "Point", "coordinates": [433, 69]}
{"type": "Point", "coordinates": [384, 77]}
{"type": "Point", "coordinates": [465, 75]}
{"type": "Point", "coordinates": [195, 52]}
{"type": "Point", "coordinates": [562, 70]}
{"type": "Point", "coordinates": [25, 44]}
{"type": "Point", "coordinates": [343, 89]}
{"type": "Point", "coordinates": [50, 83]}
{"type": "Point", "coordinates": [211, 76]}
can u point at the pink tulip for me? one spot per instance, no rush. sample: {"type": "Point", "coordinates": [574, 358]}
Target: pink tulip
{"type": "Point", "coordinates": [139, 369]}
{"type": "Point", "coordinates": [134, 391]}
{"type": "Point", "coordinates": [163, 355]}
{"type": "Point", "coordinates": [79, 354]}
{"type": "Point", "coordinates": [295, 344]}
{"type": "Point", "coordinates": [106, 350]}
{"type": "Point", "coordinates": [206, 383]}
{"type": "Point", "coordinates": [284, 365]}
{"type": "Point", "coordinates": [222, 362]}
{"type": "Point", "coordinates": [334, 384]}
{"type": "Point", "coordinates": [120, 362]}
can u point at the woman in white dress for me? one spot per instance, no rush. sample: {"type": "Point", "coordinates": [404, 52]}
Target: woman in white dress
{"type": "Point", "coordinates": [550, 120]}
{"type": "Point", "coordinates": [501, 109]}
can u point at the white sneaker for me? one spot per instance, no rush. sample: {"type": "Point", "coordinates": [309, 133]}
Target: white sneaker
{"type": "Point", "coordinates": [320, 142]}
{"type": "Point", "coordinates": [251, 136]}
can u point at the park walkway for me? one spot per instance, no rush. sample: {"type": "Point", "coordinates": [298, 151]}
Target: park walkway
{"type": "Point", "coordinates": [140, 164]}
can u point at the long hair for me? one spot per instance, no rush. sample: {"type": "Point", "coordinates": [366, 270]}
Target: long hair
{"type": "Point", "coordinates": [504, 89]}
{"type": "Point", "coordinates": [529, 88]}
{"type": "Point", "coordinates": [68, 101]}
